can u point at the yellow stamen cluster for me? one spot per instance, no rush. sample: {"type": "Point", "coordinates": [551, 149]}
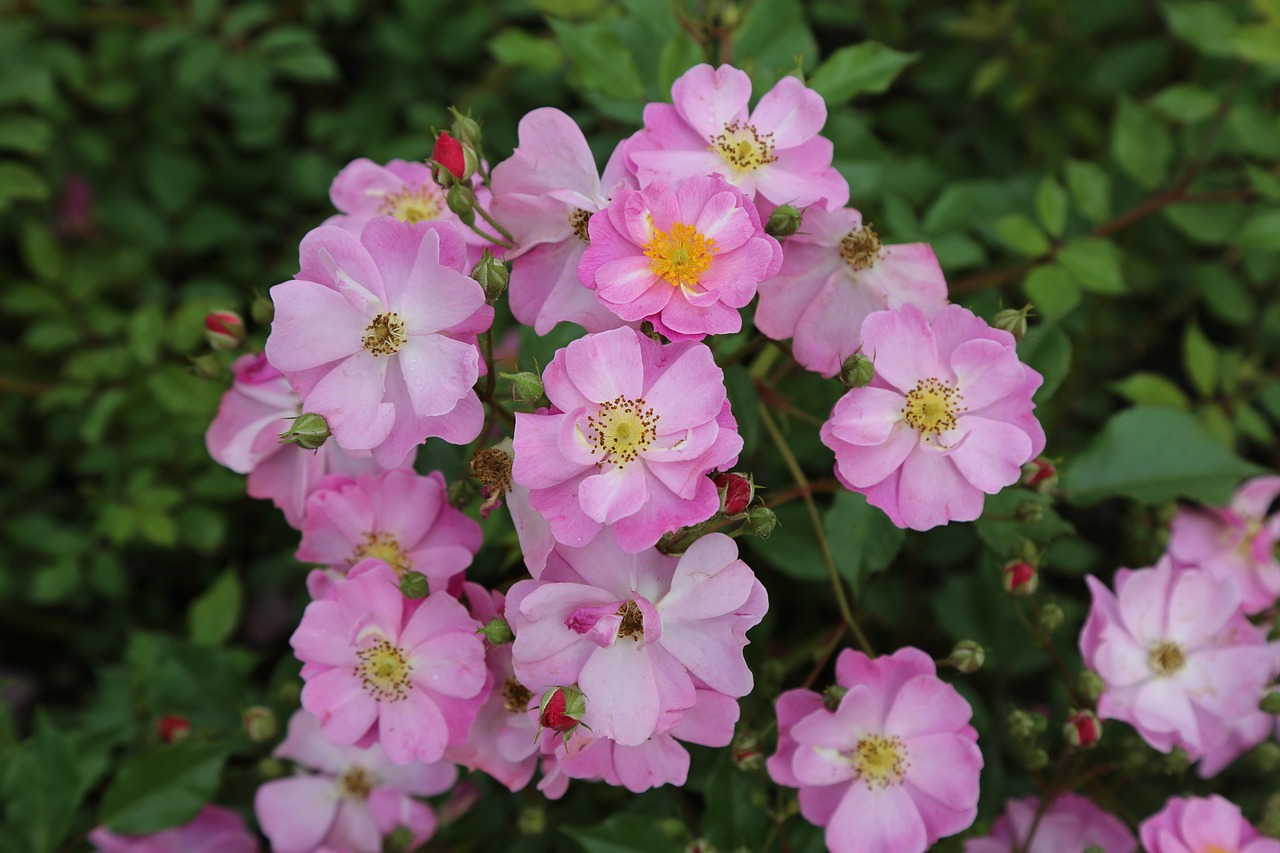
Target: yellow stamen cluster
{"type": "Point", "coordinates": [620, 430]}
{"type": "Point", "coordinates": [680, 255]}
{"type": "Point", "coordinates": [632, 627]}
{"type": "Point", "coordinates": [515, 696]}
{"type": "Point", "coordinates": [880, 760]}
{"type": "Point", "coordinates": [385, 335]}
{"type": "Point", "coordinates": [932, 407]}
{"type": "Point", "coordinates": [578, 222]}
{"type": "Point", "coordinates": [384, 672]}
{"type": "Point", "coordinates": [860, 248]}
{"type": "Point", "coordinates": [1167, 658]}
{"type": "Point", "coordinates": [414, 203]}
{"type": "Point", "coordinates": [384, 547]}
{"type": "Point", "coordinates": [743, 147]}
{"type": "Point", "coordinates": [356, 783]}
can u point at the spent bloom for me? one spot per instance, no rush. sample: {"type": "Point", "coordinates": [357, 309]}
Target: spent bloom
{"type": "Point", "coordinates": [773, 151]}
{"type": "Point", "coordinates": [1236, 542]}
{"type": "Point", "coordinates": [214, 830]}
{"type": "Point", "coordinates": [1070, 824]}
{"type": "Point", "coordinates": [894, 768]}
{"type": "Point", "coordinates": [244, 436]}
{"type": "Point", "coordinates": [685, 257]}
{"type": "Point", "coordinates": [634, 429]}
{"type": "Point", "coordinates": [835, 272]}
{"type": "Point", "coordinates": [632, 631]}
{"type": "Point", "coordinates": [1179, 661]}
{"type": "Point", "coordinates": [378, 335]}
{"type": "Point", "coordinates": [545, 194]}
{"type": "Point", "coordinates": [1202, 825]}
{"type": "Point", "coordinates": [398, 516]}
{"type": "Point", "coordinates": [946, 420]}
{"type": "Point", "coordinates": [352, 802]}
{"type": "Point", "coordinates": [381, 669]}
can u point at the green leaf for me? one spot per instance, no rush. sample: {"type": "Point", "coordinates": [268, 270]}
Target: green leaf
{"type": "Point", "coordinates": [1261, 230]}
{"type": "Point", "coordinates": [1095, 263]}
{"type": "Point", "coordinates": [1267, 184]}
{"type": "Point", "coordinates": [1019, 233]}
{"type": "Point", "coordinates": [601, 62]}
{"type": "Point", "coordinates": [1051, 206]}
{"type": "Point", "coordinates": [1141, 144]}
{"type": "Point", "coordinates": [20, 182]}
{"type": "Point", "coordinates": [1207, 24]}
{"type": "Point", "coordinates": [862, 538]}
{"type": "Point", "coordinates": [163, 788]}
{"type": "Point", "coordinates": [42, 254]}
{"type": "Point", "coordinates": [1201, 360]}
{"type": "Point", "coordinates": [26, 134]}
{"type": "Point", "coordinates": [1002, 530]}
{"type": "Point", "coordinates": [1209, 223]}
{"type": "Point", "coordinates": [41, 788]}
{"type": "Point", "coordinates": [1186, 102]}
{"type": "Point", "coordinates": [214, 616]}
{"type": "Point", "coordinates": [1258, 43]}
{"type": "Point", "coordinates": [1090, 188]}
{"type": "Point", "coordinates": [624, 833]}
{"type": "Point", "coordinates": [1154, 454]}
{"type": "Point", "coordinates": [1053, 290]}
{"type": "Point", "coordinates": [1152, 389]}
{"type": "Point", "coordinates": [515, 46]}
{"type": "Point", "coordinates": [1047, 350]}
{"type": "Point", "coordinates": [678, 55]}
{"type": "Point", "coordinates": [29, 84]}
{"type": "Point", "coordinates": [867, 68]}
{"type": "Point", "coordinates": [792, 548]}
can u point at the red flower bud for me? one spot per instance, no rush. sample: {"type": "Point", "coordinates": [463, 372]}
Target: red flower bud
{"type": "Point", "coordinates": [1020, 578]}
{"type": "Point", "coordinates": [449, 154]}
{"type": "Point", "coordinates": [554, 716]}
{"type": "Point", "coordinates": [735, 492]}
{"type": "Point", "coordinates": [1082, 729]}
{"type": "Point", "coordinates": [1040, 474]}
{"type": "Point", "coordinates": [172, 728]}
{"type": "Point", "coordinates": [224, 330]}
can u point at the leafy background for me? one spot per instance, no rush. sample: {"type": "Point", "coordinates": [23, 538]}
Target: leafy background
{"type": "Point", "coordinates": [1114, 163]}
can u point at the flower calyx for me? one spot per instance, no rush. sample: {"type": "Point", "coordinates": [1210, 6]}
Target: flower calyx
{"type": "Point", "coordinates": [561, 710]}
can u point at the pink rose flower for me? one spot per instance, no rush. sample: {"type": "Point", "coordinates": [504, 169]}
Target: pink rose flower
{"type": "Point", "coordinates": [398, 517]}
{"type": "Point", "coordinates": [894, 768]}
{"type": "Point", "coordinates": [635, 428]}
{"type": "Point", "coordinates": [1179, 661]}
{"type": "Point", "coordinates": [352, 803]}
{"type": "Point", "coordinates": [774, 150]}
{"type": "Point", "coordinates": [1070, 824]}
{"type": "Point", "coordinates": [633, 630]}
{"type": "Point", "coordinates": [214, 830]}
{"type": "Point", "coordinates": [245, 437]}
{"type": "Point", "coordinates": [1236, 542]}
{"type": "Point", "coordinates": [545, 194]}
{"type": "Point", "coordinates": [378, 335]}
{"type": "Point", "coordinates": [684, 258]}
{"type": "Point", "coordinates": [411, 678]}
{"type": "Point", "coordinates": [947, 418]}
{"type": "Point", "coordinates": [835, 272]}
{"type": "Point", "coordinates": [1202, 825]}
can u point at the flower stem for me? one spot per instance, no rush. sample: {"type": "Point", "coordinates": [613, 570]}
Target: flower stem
{"type": "Point", "coordinates": [484, 214]}
{"type": "Point", "coordinates": [837, 585]}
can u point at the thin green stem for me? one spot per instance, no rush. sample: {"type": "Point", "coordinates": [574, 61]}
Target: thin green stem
{"type": "Point", "coordinates": [837, 585]}
{"type": "Point", "coordinates": [484, 214]}
{"type": "Point", "coordinates": [492, 238]}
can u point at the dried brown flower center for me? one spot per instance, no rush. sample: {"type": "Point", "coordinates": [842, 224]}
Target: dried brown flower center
{"type": "Point", "coordinates": [860, 248]}
{"type": "Point", "coordinates": [578, 222]}
{"type": "Point", "coordinates": [385, 335]}
{"type": "Point", "coordinates": [632, 626]}
{"type": "Point", "coordinates": [515, 696]}
{"type": "Point", "coordinates": [1167, 658]}
{"type": "Point", "coordinates": [356, 783]}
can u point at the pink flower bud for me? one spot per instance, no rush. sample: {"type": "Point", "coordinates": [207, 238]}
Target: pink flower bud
{"type": "Point", "coordinates": [1082, 729]}
{"type": "Point", "coordinates": [172, 728]}
{"type": "Point", "coordinates": [736, 492]}
{"type": "Point", "coordinates": [1020, 578]}
{"type": "Point", "coordinates": [224, 330]}
{"type": "Point", "coordinates": [448, 153]}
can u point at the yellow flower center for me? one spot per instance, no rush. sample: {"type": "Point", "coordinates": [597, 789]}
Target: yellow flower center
{"type": "Point", "coordinates": [385, 335]}
{"type": "Point", "coordinates": [1213, 848]}
{"type": "Point", "coordinates": [1167, 658]}
{"type": "Point", "coordinates": [384, 547]}
{"type": "Point", "coordinates": [356, 783]}
{"type": "Point", "coordinates": [578, 222]}
{"type": "Point", "coordinates": [880, 760]}
{"type": "Point", "coordinates": [743, 147]}
{"type": "Point", "coordinates": [384, 671]}
{"type": "Point", "coordinates": [932, 407]}
{"type": "Point", "coordinates": [632, 627]}
{"type": "Point", "coordinates": [414, 203]}
{"type": "Point", "coordinates": [860, 248]}
{"type": "Point", "coordinates": [680, 255]}
{"type": "Point", "coordinates": [621, 429]}
{"type": "Point", "coordinates": [515, 696]}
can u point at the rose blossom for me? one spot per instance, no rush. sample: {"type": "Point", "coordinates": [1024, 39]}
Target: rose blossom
{"type": "Point", "coordinates": [634, 429]}
{"type": "Point", "coordinates": [684, 257]}
{"type": "Point", "coordinates": [356, 799]}
{"type": "Point", "coordinates": [631, 630]}
{"type": "Point", "coordinates": [1180, 662]}
{"type": "Point", "coordinates": [894, 768]}
{"type": "Point", "coordinates": [245, 437]}
{"type": "Point", "coordinates": [1071, 824]}
{"type": "Point", "coordinates": [398, 517]}
{"type": "Point", "coordinates": [1202, 825]}
{"type": "Point", "coordinates": [947, 418]}
{"type": "Point", "coordinates": [214, 830]}
{"type": "Point", "coordinates": [408, 675]}
{"type": "Point", "coordinates": [545, 194]}
{"type": "Point", "coordinates": [774, 150]}
{"type": "Point", "coordinates": [1236, 542]}
{"type": "Point", "coordinates": [835, 272]}
{"type": "Point", "coordinates": [378, 335]}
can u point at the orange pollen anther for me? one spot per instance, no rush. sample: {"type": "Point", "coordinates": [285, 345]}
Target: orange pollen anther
{"type": "Point", "coordinates": [680, 255]}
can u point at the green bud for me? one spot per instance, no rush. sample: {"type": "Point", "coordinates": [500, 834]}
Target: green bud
{"type": "Point", "coordinates": [526, 387]}
{"type": "Point", "coordinates": [1051, 617]}
{"type": "Point", "coordinates": [462, 201]}
{"type": "Point", "coordinates": [1266, 756]}
{"type": "Point", "coordinates": [784, 221]}
{"type": "Point", "coordinates": [259, 723]}
{"type": "Point", "coordinates": [1093, 848]}
{"type": "Point", "coordinates": [460, 492]}
{"type": "Point", "coordinates": [857, 370]}
{"type": "Point", "coordinates": [262, 310]}
{"type": "Point", "coordinates": [832, 695]}
{"type": "Point", "coordinates": [309, 431]}
{"type": "Point", "coordinates": [1013, 321]}
{"type": "Point", "coordinates": [271, 768]}
{"type": "Point", "coordinates": [207, 366]}
{"type": "Point", "coordinates": [1271, 703]}
{"type": "Point", "coordinates": [1037, 758]}
{"type": "Point", "coordinates": [465, 128]}
{"type": "Point", "coordinates": [1029, 512]}
{"type": "Point", "coordinates": [1177, 762]}
{"type": "Point", "coordinates": [1025, 725]}
{"type": "Point", "coordinates": [414, 585]}
{"type": "Point", "coordinates": [1091, 685]}
{"type": "Point", "coordinates": [493, 276]}
{"type": "Point", "coordinates": [761, 521]}
{"type": "Point", "coordinates": [400, 840]}
{"type": "Point", "coordinates": [967, 656]}
{"type": "Point", "coordinates": [497, 631]}
{"type": "Point", "coordinates": [746, 752]}
{"type": "Point", "coordinates": [532, 820]}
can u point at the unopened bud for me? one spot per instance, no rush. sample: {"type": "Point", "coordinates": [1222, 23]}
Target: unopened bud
{"type": "Point", "coordinates": [1037, 758]}
{"type": "Point", "coordinates": [746, 752]}
{"type": "Point", "coordinates": [857, 371]}
{"type": "Point", "coordinates": [271, 768]}
{"type": "Point", "coordinates": [1013, 321]}
{"type": "Point", "coordinates": [1271, 703]}
{"type": "Point", "coordinates": [497, 631]}
{"type": "Point", "coordinates": [1266, 756]}
{"type": "Point", "coordinates": [784, 221]}
{"type": "Point", "coordinates": [561, 710]}
{"type": "Point", "coordinates": [224, 330]}
{"type": "Point", "coordinates": [207, 366]}
{"type": "Point", "coordinates": [450, 156]}
{"type": "Point", "coordinates": [1094, 848]}
{"type": "Point", "coordinates": [309, 431]}
{"type": "Point", "coordinates": [761, 521]}
{"type": "Point", "coordinates": [967, 656]}
{"type": "Point", "coordinates": [1091, 685]}
{"type": "Point", "coordinates": [736, 492]}
{"type": "Point", "coordinates": [1025, 725]}
{"type": "Point", "coordinates": [492, 275]}
{"type": "Point", "coordinates": [173, 728]}
{"type": "Point", "coordinates": [532, 820]}
{"type": "Point", "coordinates": [460, 492]}
{"type": "Point", "coordinates": [1177, 762]}
{"type": "Point", "coordinates": [414, 585]}
{"type": "Point", "coordinates": [400, 840]}
{"type": "Point", "coordinates": [1040, 474]}
{"type": "Point", "coordinates": [1021, 578]}
{"type": "Point", "coordinates": [1051, 617]}
{"type": "Point", "coordinates": [1029, 512]}
{"type": "Point", "coordinates": [262, 310]}
{"type": "Point", "coordinates": [832, 695]}
{"type": "Point", "coordinates": [526, 387]}
{"type": "Point", "coordinates": [461, 199]}
{"type": "Point", "coordinates": [259, 723]}
{"type": "Point", "coordinates": [1082, 729]}
{"type": "Point", "coordinates": [466, 129]}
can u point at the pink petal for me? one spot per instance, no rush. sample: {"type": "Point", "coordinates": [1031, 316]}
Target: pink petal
{"type": "Point", "coordinates": [932, 492]}
{"type": "Point", "coordinates": [926, 706]}
{"type": "Point", "coordinates": [884, 820]}
{"type": "Point", "coordinates": [313, 325]}
{"type": "Point", "coordinates": [345, 710]}
{"type": "Point", "coordinates": [708, 99]}
{"type": "Point", "coordinates": [539, 463]}
{"type": "Point", "coordinates": [615, 494]}
{"type": "Point", "coordinates": [901, 344]}
{"type": "Point", "coordinates": [606, 365]}
{"type": "Point", "coordinates": [622, 696]}
{"type": "Point", "coordinates": [659, 761]}
{"type": "Point", "coordinates": [351, 399]}
{"type": "Point", "coordinates": [791, 111]}
{"type": "Point", "coordinates": [296, 813]}
{"type": "Point", "coordinates": [986, 372]}
{"type": "Point", "coordinates": [863, 467]}
{"type": "Point", "coordinates": [438, 372]}
{"type": "Point", "coordinates": [867, 416]}
{"type": "Point", "coordinates": [990, 454]}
